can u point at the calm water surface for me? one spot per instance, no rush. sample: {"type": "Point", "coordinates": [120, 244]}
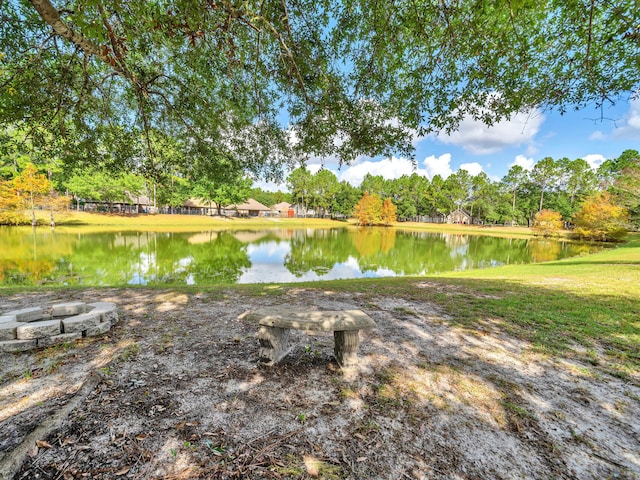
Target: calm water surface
{"type": "Point", "coordinates": [67, 256]}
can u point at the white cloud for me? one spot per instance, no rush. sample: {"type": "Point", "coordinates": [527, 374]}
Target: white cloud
{"type": "Point", "coordinates": [315, 167]}
{"type": "Point", "coordinates": [594, 159]}
{"type": "Point", "coordinates": [389, 168]}
{"type": "Point", "coordinates": [479, 139]}
{"type": "Point", "coordinates": [524, 162]}
{"type": "Point", "coordinates": [270, 186]}
{"type": "Point", "coordinates": [631, 122]}
{"type": "Point", "coordinates": [438, 165]}
{"type": "Point", "coordinates": [473, 168]}
{"type": "Point", "coordinates": [597, 135]}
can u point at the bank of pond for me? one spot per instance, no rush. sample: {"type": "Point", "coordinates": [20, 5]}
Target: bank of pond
{"type": "Point", "coordinates": [79, 256]}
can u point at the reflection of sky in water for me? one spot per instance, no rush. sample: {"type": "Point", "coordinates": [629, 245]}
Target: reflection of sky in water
{"type": "Point", "coordinates": [145, 270]}
{"type": "Point", "coordinates": [267, 265]}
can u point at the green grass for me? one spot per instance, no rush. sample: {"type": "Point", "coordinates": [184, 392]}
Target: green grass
{"type": "Point", "coordinates": [588, 304]}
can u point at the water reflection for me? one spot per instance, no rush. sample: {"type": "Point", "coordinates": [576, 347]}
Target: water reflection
{"type": "Point", "coordinates": [81, 257]}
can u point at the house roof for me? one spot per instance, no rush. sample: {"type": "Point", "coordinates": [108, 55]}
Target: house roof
{"type": "Point", "coordinates": [250, 204]}
{"type": "Point", "coordinates": [138, 199]}
{"type": "Point", "coordinates": [195, 202]}
{"type": "Point", "coordinates": [282, 206]}
{"type": "Point", "coordinates": [462, 211]}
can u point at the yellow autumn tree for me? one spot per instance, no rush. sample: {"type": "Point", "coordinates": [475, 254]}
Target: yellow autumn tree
{"type": "Point", "coordinates": [547, 223]}
{"type": "Point", "coordinates": [11, 205]}
{"type": "Point", "coordinates": [33, 186]}
{"type": "Point", "coordinates": [57, 205]}
{"type": "Point", "coordinates": [368, 210]}
{"type": "Point", "coordinates": [601, 219]}
{"type": "Point", "coordinates": [388, 212]}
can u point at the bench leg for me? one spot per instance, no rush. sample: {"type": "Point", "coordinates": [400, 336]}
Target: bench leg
{"type": "Point", "coordinates": [346, 347]}
{"type": "Point", "coordinates": [274, 344]}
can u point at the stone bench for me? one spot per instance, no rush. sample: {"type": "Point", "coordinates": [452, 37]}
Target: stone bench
{"type": "Point", "coordinates": [275, 323]}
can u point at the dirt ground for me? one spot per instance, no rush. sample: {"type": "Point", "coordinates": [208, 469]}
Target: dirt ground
{"type": "Point", "coordinates": [174, 391]}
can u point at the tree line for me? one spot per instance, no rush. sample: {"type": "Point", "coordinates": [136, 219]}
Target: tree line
{"type": "Point", "coordinates": [560, 185]}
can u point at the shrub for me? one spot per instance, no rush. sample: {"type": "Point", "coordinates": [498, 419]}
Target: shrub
{"type": "Point", "coordinates": [600, 219]}
{"type": "Point", "coordinates": [547, 223]}
{"type": "Point", "coordinates": [11, 217]}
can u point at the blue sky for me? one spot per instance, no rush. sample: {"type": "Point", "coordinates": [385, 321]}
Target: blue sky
{"type": "Point", "coordinates": [590, 133]}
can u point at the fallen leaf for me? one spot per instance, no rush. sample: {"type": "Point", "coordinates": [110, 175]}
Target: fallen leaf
{"type": "Point", "coordinates": [43, 444]}
{"type": "Point", "coordinates": [141, 436]}
{"type": "Point", "coordinates": [123, 471]}
{"type": "Point", "coordinates": [33, 451]}
{"type": "Point", "coordinates": [361, 459]}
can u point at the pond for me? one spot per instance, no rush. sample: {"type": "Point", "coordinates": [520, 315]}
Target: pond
{"type": "Point", "coordinates": [77, 256]}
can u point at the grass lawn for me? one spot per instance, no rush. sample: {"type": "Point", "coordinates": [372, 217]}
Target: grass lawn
{"type": "Point", "coordinates": [191, 222]}
{"type": "Point", "coordinates": [587, 306]}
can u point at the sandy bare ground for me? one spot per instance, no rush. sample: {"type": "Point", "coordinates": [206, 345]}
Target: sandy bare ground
{"type": "Point", "coordinates": [174, 391]}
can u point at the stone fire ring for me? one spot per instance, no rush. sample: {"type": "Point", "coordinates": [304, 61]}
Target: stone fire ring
{"type": "Point", "coordinates": [29, 328]}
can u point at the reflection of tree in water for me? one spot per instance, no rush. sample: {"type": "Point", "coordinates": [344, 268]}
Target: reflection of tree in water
{"type": "Point", "coordinates": [370, 241]}
{"type": "Point", "coordinates": [406, 253]}
{"type": "Point", "coordinates": [166, 258]}
{"type": "Point", "coordinates": [221, 260]}
{"type": "Point", "coordinates": [317, 251]}
{"type": "Point", "coordinates": [26, 272]}
{"type": "Point", "coordinates": [545, 250]}
{"type": "Point", "coordinates": [29, 256]}
{"type": "Point", "coordinates": [416, 253]}
{"type": "Point", "coordinates": [127, 258]}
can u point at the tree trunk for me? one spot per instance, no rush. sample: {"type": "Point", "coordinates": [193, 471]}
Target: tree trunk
{"type": "Point", "coordinates": [541, 198]}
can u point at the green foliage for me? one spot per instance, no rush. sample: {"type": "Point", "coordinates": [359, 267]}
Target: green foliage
{"type": "Point", "coordinates": [299, 182]}
{"type": "Point", "coordinates": [214, 77]}
{"type": "Point", "coordinates": [101, 185]}
{"type": "Point", "coordinates": [223, 192]}
{"type": "Point", "coordinates": [345, 199]}
{"type": "Point", "coordinates": [513, 182]}
{"type": "Point", "coordinates": [626, 189]}
{"type": "Point", "coordinates": [545, 175]}
{"type": "Point", "coordinates": [324, 187]}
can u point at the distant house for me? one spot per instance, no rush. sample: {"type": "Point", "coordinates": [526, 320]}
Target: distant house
{"type": "Point", "coordinates": [251, 208]}
{"type": "Point", "coordinates": [130, 203]}
{"type": "Point", "coordinates": [196, 206]}
{"type": "Point", "coordinates": [459, 216]}
{"type": "Point", "coordinates": [282, 209]}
